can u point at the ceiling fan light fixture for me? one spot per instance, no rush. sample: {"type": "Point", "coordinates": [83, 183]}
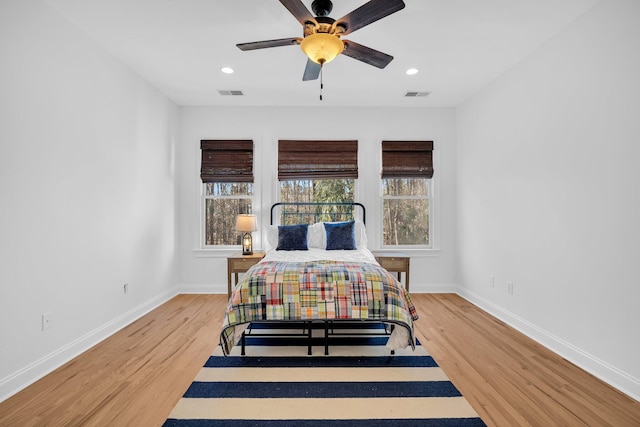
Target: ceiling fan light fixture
{"type": "Point", "coordinates": [321, 47]}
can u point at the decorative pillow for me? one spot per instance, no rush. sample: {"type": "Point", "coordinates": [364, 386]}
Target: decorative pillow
{"type": "Point", "coordinates": [340, 235]}
{"type": "Point", "coordinates": [292, 237]}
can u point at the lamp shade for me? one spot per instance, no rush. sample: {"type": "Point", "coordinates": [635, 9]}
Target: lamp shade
{"type": "Point", "coordinates": [246, 223]}
{"type": "Point", "coordinates": [322, 47]}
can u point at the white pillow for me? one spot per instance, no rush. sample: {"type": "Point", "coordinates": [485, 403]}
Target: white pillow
{"type": "Point", "coordinates": [361, 235]}
{"type": "Point", "coordinates": [316, 236]}
{"type": "Point", "coordinates": [271, 241]}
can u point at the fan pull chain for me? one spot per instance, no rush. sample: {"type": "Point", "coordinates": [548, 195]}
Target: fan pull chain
{"type": "Point", "coordinates": [321, 83]}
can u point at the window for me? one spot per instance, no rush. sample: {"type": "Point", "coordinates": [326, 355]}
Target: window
{"type": "Point", "coordinates": [316, 190]}
{"type": "Point", "coordinates": [405, 205]}
{"type": "Point", "coordinates": [223, 202]}
{"type": "Point", "coordinates": [407, 169]}
{"type": "Point", "coordinates": [317, 171]}
{"type": "Point", "coordinates": [227, 190]}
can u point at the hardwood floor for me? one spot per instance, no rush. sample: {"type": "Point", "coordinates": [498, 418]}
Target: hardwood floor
{"type": "Point", "coordinates": [508, 378]}
{"type": "Point", "coordinates": [135, 377]}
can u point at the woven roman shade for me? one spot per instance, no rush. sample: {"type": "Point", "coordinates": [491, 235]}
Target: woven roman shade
{"type": "Point", "coordinates": [407, 159]}
{"type": "Point", "coordinates": [317, 159]}
{"type": "Point", "coordinates": [226, 160]}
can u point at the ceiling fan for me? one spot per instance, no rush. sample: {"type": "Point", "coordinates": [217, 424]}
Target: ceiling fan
{"type": "Point", "coordinates": [321, 34]}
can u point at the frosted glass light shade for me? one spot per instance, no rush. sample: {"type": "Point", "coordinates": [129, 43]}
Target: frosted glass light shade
{"type": "Point", "coordinates": [321, 47]}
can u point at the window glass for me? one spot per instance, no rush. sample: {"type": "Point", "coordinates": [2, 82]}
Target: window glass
{"type": "Point", "coordinates": [316, 190]}
{"type": "Point", "coordinates": [405, 211]}
{"type": "Point", "coordinates": [223, 201]}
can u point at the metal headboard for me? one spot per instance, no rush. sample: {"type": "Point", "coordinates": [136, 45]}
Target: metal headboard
{"type": "Point", "coordinates": [319, 214]}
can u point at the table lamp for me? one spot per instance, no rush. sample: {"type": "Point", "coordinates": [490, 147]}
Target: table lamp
{"type": "Point", "coordinates": [246, 223]}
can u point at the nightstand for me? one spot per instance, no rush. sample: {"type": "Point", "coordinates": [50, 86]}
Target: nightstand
{"type": "Point", "coordinates": [238, 263]}
{"type": "Point", "coordinates": [396, 262]}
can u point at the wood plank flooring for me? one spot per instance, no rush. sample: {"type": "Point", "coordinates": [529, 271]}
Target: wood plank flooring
{"type": "Point", "coordinates": [508, 378]}
{"type": "Point", "coordinates": [135, 377]}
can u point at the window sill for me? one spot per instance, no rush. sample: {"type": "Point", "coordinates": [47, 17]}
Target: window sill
{"type": "Point", "coordinates": [215, 253]}
{"type": "Point", "coordinates": [219, 252]}
{"type": "Point", "coordinates": [412, 252]}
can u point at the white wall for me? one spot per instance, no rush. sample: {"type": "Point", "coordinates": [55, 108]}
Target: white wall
{"type": "Point", "coordinates": [86, 188]}
{"type": "Point", "coordinates": [201, 271]}
{"type": "Point", "coordinates": [548, 174]}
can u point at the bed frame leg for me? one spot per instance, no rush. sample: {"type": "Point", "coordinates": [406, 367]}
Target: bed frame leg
{"type": "Point", "coordinates": [243, 342]}
{"type": "Point", "coordinates": [309, 340]}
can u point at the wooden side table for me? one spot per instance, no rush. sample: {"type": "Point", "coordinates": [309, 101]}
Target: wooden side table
{"type": "Point", "coordinates": [238, 263]}
{"type": "Point", "coordinates": [396, 262]}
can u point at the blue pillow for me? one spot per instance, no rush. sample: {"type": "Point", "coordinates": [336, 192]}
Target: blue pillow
{"type": "Point", "coordinates": [292, 237]}
{"type": "Point", "coordinates": [340, 236]}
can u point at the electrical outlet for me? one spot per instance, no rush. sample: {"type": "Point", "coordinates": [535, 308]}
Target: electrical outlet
{"type": "Point", "coordinates": [510, 288]}
{"type": "Point", "coordinates": [126, 287]}
{"type": "Point", "coordinates": [46, 320]}
{"type": "Point", "coordinates": [492, 281]}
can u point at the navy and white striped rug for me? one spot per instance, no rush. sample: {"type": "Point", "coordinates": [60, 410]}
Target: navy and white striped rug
{"type": "Point", "coordinates": [277, 385]}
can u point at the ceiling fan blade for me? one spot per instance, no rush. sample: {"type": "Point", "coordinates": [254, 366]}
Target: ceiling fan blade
{"type": "Point", "coordinates": [269, 43]}
{"type": "Point", "coordinates": [366, 54]}
{"type": "Point", "coordinates": [311, 71]}
{"type": "Point", "coordinates": [368, 13]}
{"type": "Point", "coordinates": [299, 10]}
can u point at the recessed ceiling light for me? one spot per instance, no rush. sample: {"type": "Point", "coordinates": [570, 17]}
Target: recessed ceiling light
{"type": "Point", "coordinates": [227, 70]}
{"type": "Point", "coordinates": [412, 71]}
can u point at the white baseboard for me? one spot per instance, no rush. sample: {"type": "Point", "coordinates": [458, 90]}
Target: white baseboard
{"type": "Point", "coordinates": [47, 364]}
{"type": "Point", "coordinates": [600, 369]}
{"type": "Point", "coordinates": [420, 288]}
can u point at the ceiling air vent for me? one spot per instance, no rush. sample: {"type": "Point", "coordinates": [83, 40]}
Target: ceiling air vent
{"type": "Point", "coordinates": [414, 94]}
{"type": "Point", "coordinates": [231, 93]}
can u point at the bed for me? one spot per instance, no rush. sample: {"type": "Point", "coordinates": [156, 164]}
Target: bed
{"type": "Point", "coordinates": [318, 274]}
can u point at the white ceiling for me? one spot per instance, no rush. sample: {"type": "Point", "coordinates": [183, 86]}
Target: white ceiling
{"type": "Point", "coordinates": [459, 46]}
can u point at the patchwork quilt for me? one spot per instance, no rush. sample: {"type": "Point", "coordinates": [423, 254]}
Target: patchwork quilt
{"type": "Point", "coordinates": [316, 290]}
